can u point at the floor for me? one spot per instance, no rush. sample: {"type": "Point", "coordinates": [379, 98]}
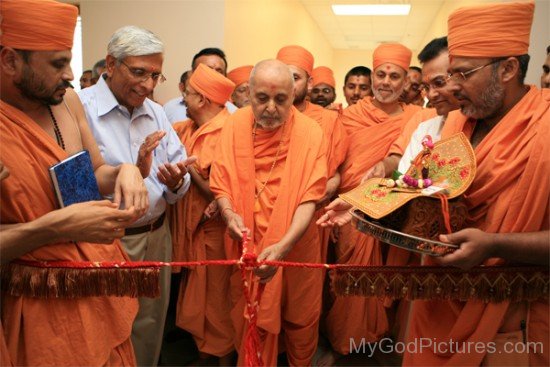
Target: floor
{"type": "Point", "coordinates": [179, 349]}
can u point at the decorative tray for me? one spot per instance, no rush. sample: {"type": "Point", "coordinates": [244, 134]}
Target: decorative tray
{"type": "Point", "coordinates": [399, 239]}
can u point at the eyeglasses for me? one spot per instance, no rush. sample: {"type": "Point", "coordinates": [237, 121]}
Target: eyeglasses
{"type": "Point", "coordinates": [435, 84]}
{"type": "Point", "coordinates": [144, 76]}
{"type": "Point", "coordinates": [460, 76]}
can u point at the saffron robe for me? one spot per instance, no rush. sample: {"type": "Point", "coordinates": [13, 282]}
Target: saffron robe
{"type": "Point", "coordinates": [90, 331]}
{"type": "Point", "coordinates": [203, 301]}
{"type": "Point", "coordinates": [291, 301]}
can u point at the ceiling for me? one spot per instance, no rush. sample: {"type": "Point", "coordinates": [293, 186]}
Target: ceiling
{"type": "Point", "coordinates": [367, 32]}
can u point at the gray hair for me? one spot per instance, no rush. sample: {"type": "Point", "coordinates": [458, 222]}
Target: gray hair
{"type": "Point", "coordinates": [134, 41]}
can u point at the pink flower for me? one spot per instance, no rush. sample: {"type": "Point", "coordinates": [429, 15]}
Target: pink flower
{"type": "Point", "coordinates": [454, 160]}
{"type": "Point", "coordinates": [464, 172]}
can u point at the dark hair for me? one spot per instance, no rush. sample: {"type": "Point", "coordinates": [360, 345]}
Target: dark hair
{"type": "Point", "coordinates": [433, 49]}
{"type": "Point", "coordinates": [357, 71]}
{"type": "Point", "coordinates": [86, 71]}
{"type": "Point", "coordinates": [548, 50]}
{"type": "Point", "coordinates": [523, 64]}
{"type": "Point", "coordinates": [97, 65]}
{"type": "Point", "coordinates": [415, 68]}
{"type": "Point", "coordinates": [25, 54]}
{"type": "Point", "coordinates": [210, 51]}
{"type": "Point", "coordinates": [184, 76]}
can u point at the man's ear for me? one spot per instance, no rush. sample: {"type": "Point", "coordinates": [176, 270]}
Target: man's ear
{"type": "Point", "coordinates": [110, 63]}
{"type": "Point", "coordinates": [510, 69]}
{"type": "Point", "coordinates": [10, 61]}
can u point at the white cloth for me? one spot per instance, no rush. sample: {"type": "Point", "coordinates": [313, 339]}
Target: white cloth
{"type": "Point", "coordinates": [176, 110]}
{"type": "Point", "coordinates": [430, 127]}
{"type": "Point", "coordinates": [119, 136]}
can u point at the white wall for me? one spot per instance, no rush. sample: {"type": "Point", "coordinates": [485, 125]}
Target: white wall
{"type": "Point", "coordinates": [185, 27]}
{"type": "Point", "coordinates": [540, 39]}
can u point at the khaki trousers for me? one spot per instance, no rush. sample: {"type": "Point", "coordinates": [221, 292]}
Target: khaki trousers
{"type": "Point", "coordinates": [148, 328]}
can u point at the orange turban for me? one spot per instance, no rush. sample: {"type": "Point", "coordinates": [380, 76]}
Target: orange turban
{"type": "Point", "coordinates": [37, 25]}
{"type": "Point", "coordinates": [240, 75]}
{"type": "Point", "coordinates": [493, 30]}
{"type": "Point", "coordinates": [211, 84]}
{"type": "Point", "coordinates": [393, 53]}
{"type": "Point", "coordinates": [322, 74]}
{"type": "Point", "coordinates": [297, 56]}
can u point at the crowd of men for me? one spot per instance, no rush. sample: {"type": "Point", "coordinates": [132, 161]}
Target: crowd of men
{"type": "Point", "coordinates": [261, 151]}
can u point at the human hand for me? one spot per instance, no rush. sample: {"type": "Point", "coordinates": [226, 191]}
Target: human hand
{"type": "Point", "coordinates": [94, 221]}
{"type": "Point", "coordinates": [145, 153]}
{"type": "Point", "coordinates": [275, 252]}
{"type": "Point", "coordinates": [210, 211]}
{"type": "Point", "coordinates": [476, 246]}
{"type": "Point", "coordinates": [337, 214]}
{"type": "Point", "coordinates": [129, 186]}
{"type": "Point", "coordinates": [235, 225]}
{"type": "Point", "coordinates": [171, 175]}
{"type": "Point", "coordinates": [378, 170]}
{"type": "Point", "coordinates": [4, 171]}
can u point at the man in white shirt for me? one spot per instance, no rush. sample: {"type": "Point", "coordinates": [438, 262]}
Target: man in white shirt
{"type": "Point", "coordinates": [129, 127]}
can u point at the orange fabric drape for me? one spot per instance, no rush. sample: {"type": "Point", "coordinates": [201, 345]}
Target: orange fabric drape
{"type": "Point", "coordinates": [337, 143]}
{"type": "Point", "coordinates": [510, 193]}
{"type": "Point", "coordinates": [203, 302]}
{"type": "Point", "coordinates": [370, 130]}
{"type": "Point", "coordinates": [292, 299]}
{"type": "Point", "coordinates": [53, 331]}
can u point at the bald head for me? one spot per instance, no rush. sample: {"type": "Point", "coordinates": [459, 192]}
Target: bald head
{"type": "Point", "coordinates": [271, 93]}
{"type": "Point", "coordinates": [271, 69]}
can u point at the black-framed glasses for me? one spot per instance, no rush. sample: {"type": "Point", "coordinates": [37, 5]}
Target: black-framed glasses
{"type": "Point", "coordinates": [461, 76]}
{"type": "Point", "coordinates": [143, 76]}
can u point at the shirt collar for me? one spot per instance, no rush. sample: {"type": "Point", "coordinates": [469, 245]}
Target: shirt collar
{"type": "Point", "coordinates": [106, 101]}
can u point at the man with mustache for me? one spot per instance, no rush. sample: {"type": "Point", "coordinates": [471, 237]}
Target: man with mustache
{"type": "Point", "coordinates": [264, 148]}
{"type": "Point", "coordinates": [42, 123]}
{"type": "Point", "coordinates": [323, 91]}
{"type": "Point", "coordinates": [372, 125]}
{"type": "Point", "coordinates": [357, 84]}
{"type": "Point", "coordinates": [507, 124]}
{"type": "Point", "coordinates": [129, 127]}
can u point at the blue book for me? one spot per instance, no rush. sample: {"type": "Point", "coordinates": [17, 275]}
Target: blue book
{"type": "Point", "coordinates": [74, 180]}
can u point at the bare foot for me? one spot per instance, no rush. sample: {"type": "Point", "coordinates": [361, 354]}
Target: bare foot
{"type": "Point", "coordinates": [327, 358]}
